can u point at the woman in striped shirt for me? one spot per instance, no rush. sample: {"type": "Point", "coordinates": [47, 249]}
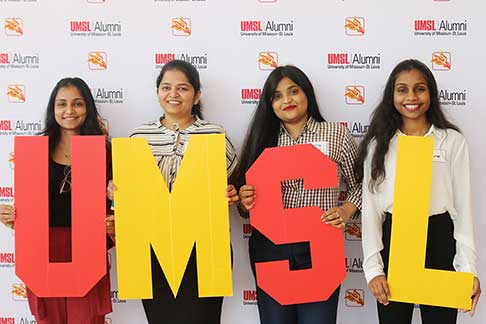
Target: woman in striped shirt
{"type": "Point", "coordinates": [179, 93]}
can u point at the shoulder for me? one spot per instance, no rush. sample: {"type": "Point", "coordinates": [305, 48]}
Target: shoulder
{"type": "Point", "coordinates": [337, 132]}
{"type": "Point", "coordinates": [451, 137]}
{"type": "Point", "coordinates": [455, 141]}
{"type": "Point", "coordinates": [204, 127]}
{"type": "Point", "coordinates": [146, 128]}
{"type": "Point", "coordinates": [332, 127]}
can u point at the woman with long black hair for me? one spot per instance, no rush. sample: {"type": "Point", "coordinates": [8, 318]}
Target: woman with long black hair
{"type": "Point", "coordinates": [410, 106]}
{"type": "Point", "coordinates": [288, 114]}
{"type": "Point", "coordinates": [179, 92]}
{"type": "Point", "coordinates": [71, 111]}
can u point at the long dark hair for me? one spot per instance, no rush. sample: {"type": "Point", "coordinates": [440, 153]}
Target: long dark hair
{"type": "Point", "coordinates": [91, 126]}
{"type": "Point", "coordinates": [265, 125]}
{"type": "Point", "coordinates": [191, 74]}
{"type": "Point", "coordinates": [386, 120]}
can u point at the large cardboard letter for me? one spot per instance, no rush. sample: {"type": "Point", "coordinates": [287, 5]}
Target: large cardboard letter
{"type": "Point", "coordinates": [408, 278]}
{"type": "Point", "coordinates": [196, 211]}
{"type": "Point", "coordinates": [88, 189]}
{"type": "Point", "coordinates": [284, 226]}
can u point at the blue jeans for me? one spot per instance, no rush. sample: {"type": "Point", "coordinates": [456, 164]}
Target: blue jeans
{"type": "Point", "coordinates": [271, 312]}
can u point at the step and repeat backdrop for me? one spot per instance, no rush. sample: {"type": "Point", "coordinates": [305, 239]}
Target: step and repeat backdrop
{"type": "Point", "coordinates": [347, 48]}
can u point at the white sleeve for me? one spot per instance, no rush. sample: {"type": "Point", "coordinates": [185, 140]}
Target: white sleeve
{"type": "Point", "coordinates": [465, 258]}
{"type": "Point", "coordinates": [372, 221]}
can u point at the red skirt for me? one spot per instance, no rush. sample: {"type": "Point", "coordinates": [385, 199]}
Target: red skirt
{"type": "Point", "coordinates": [90, 309]}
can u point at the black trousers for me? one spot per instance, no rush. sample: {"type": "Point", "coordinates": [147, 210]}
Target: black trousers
{"type": "Point", "coordinates": [187, 308]}
{"type": "Point", "coordinates": [441, 249]}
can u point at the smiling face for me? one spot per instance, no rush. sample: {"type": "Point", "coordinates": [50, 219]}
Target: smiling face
{"type": "Point", "coordinates": [177, 95]}
{"type": "Point", "coordinates": [70, 109]}
{"type": "Point", "coordinates": [290, 102]}
{"type": "Point", "coordinates": [411, 96]}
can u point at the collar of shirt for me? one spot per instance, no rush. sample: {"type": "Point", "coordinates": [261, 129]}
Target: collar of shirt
{"type": "Point", "coordinates": [433, 131]}
{"type": "Point", "coordinates": [197, 122]}
{"type": "Point", "coordinates": [310, 126]}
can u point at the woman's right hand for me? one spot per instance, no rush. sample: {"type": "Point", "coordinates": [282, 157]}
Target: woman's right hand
{"type": "Point", "coordinates": [110, 190]}
{"type": "Point", "coordinates": [379, 287]}
{"type": "Point", "coordinates": [7, 215]}
{"type": "Point", "coordinates": [247, 196]}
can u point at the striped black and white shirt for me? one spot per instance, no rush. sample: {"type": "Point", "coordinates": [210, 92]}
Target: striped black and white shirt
{"type": "Point", "coordinates": [163, 143]}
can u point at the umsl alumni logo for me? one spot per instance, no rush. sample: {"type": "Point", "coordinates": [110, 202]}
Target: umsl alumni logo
{"type": "Point", "coordinates": [250, 96]}
{"type": "Point", "coordinates": [266, 28]}
{"type": "Point", "coordinates": [441, 61]}
{"type": "Point", "coordinates": [181, 27]}
{"type": "Point", "coordinates": [449, 97]}
{"type": "Point", "coordinates": [354, 94]}
{"type": "Point", "coordinates": [105, 95]}
{"type": "Point", "coordinates": [97, 60]}
{"type": "Point", "coordinates": [249, 297]}
{"type": "Point", "coordinates": [247, 229]}
{"type": "Point", "coordinates": [94, 28]}
{"type": "Point", "coordinates": [7, 320]}
{"type": "Point", "coordinates": [17, 60]}
{"type": "Point", "coordinates": [352, 231]}
{"type": "Point", "coordinates": [7, 260]}
{"type": "Point", "coordinates": [357, 129]}
{"type": "Point", "coordinates": [357, 61]}
{"type": "Point", "coordinates": [19, 292]}
{"type": "Point", "coordinates": [14, 27]}
{"type": "Point", "coordinates": [19, 127]}
{"type": "Point", "coordinates": [354, 265]}
{"type": "Point", "coordinates": [267, 60]}
{"type": "Point", "coordinates": [354, 297]}
{"type": "Point", "coordinates": [199, 61]}
{"type": "Point", "coordinates": [439, 27]}
{"type": "Point", "coordinates": [354, 26]}
{"type": "Point", "coordinates": [16, 93]}
{"type": "Point", "coordinates": [6, 192]}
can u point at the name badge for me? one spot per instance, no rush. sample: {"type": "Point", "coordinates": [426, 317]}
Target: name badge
{"type": "Point", "coordinates": [322, 146]}
{"type": "Point", "coordinates": [439, 156]}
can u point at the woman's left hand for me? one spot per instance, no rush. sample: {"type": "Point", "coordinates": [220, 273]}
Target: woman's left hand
{"type": "Point", "coordinates": [110, 224]}
{"type": "Point", "coordinates": [336, 216]}
{"type": "Point", "coordinates": [232, 194]}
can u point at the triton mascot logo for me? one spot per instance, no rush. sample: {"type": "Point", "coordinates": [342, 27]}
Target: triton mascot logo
{"type": "Point", "coordinates": [181, 27]}
{"type": "Point", "coordinates": [354, 95]}
{"type": "Point", "coordinates": [354, 26]}
{"type": "Point", "coordinates": [19, 292]}
{"type": "Point", "coordinates": [441, 61]}
{"type": "Point", "coordinates": [14, 27]}
{"type": "Point", "coordinates": [97, 61]}
{"type": "Point", "coordinates": [267, 60]}
{"type": "Point", "coordinates": [354, 297]}
{"type": "Point", "coordinates": [11, 160]}
{"type": "Point", "coordinates": [16, 93]}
